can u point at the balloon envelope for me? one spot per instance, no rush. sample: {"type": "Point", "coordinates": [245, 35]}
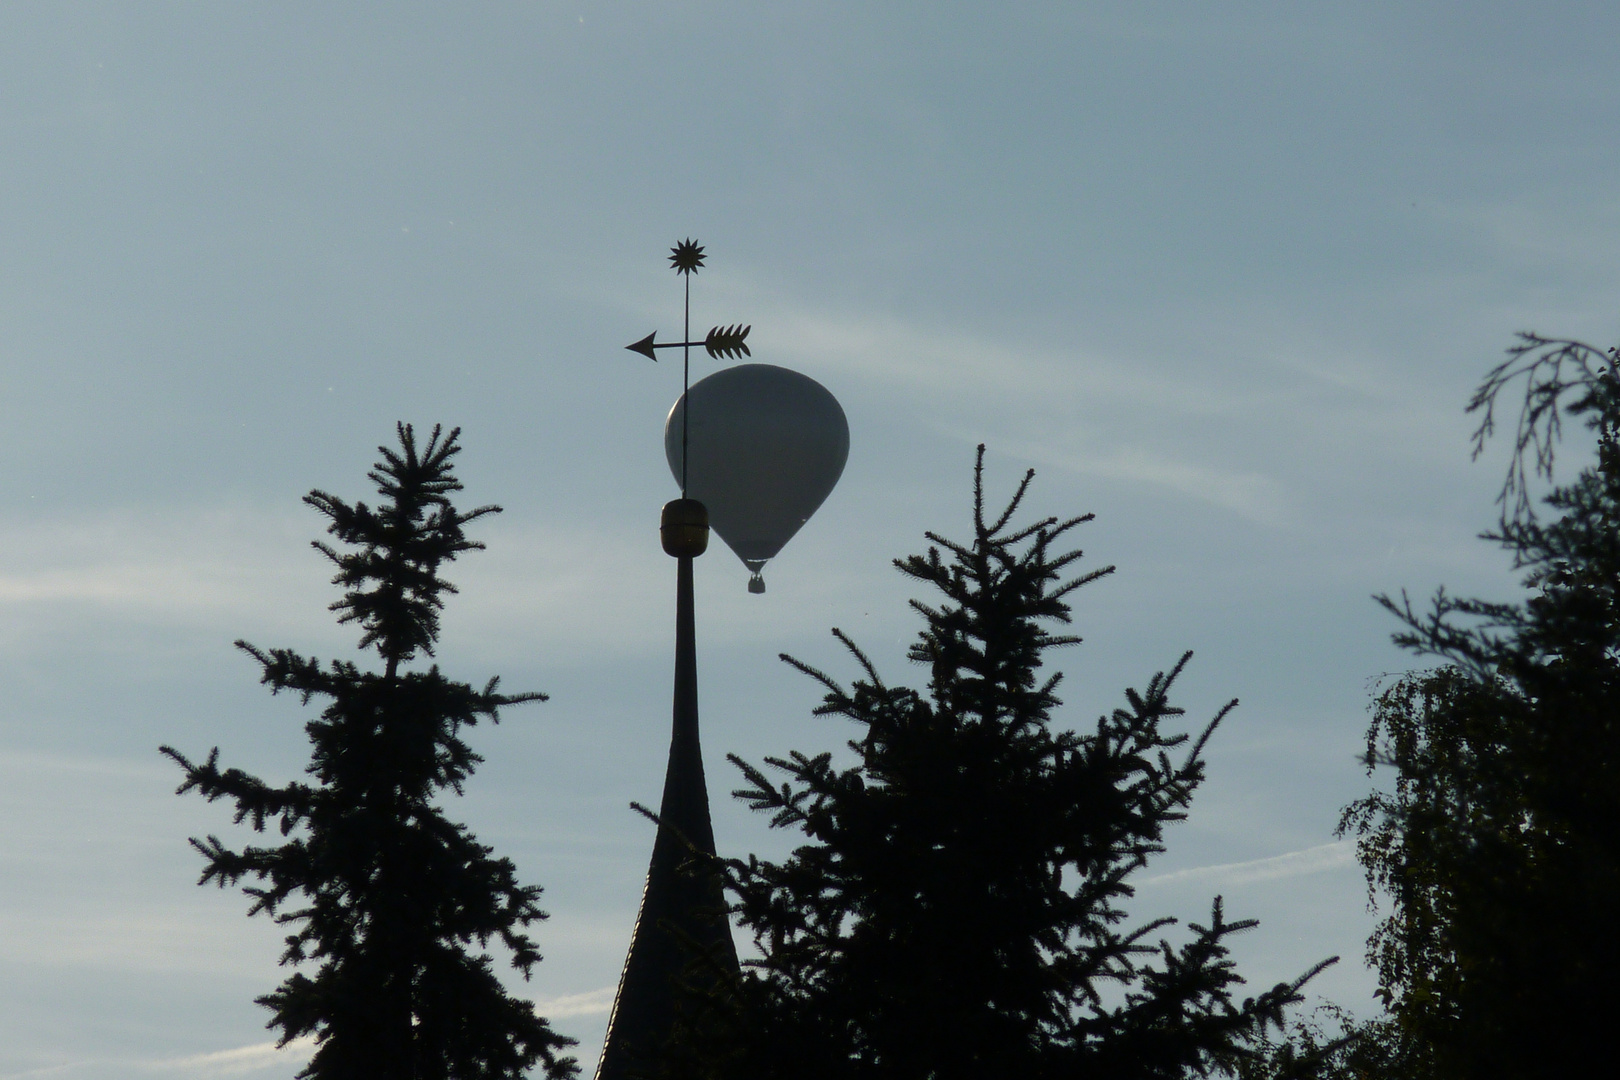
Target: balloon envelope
{"type": "Point", "coordinates": [765, 447]}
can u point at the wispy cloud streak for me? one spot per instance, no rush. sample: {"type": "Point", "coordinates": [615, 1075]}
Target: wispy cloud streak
{"type": "Point", "coordinates": [1001, 391]}
{"type": "Point", "coordinates": [590, 1003]}
{"type": "Point", "coordinates": [238, 1061]}
{"type": "Point", "coordinates": [1311, 860]}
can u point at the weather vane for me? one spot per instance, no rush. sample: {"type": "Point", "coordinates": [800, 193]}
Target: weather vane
{"type": "Point", "coordinates": [722, 342]}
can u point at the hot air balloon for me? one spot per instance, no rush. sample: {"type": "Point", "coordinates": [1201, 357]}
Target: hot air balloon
{"type": "Point", "coordinates": [764, 448]}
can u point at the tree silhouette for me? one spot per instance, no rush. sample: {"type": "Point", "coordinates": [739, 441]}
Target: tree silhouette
{"type": "Point", "coordinates": [956, 907]}
{"type": "Point", "coordinates": [1498, 848]}
{"type": "Point", "coordinates": [394, 903]}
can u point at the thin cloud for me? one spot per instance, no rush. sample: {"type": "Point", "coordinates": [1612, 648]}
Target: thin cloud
{"type": "Point", "coordinates": [1530, 234]}
{"type": "Point", "coordinates": [564, 591]}
{"type": "Point", "coordinates": [238, 1061]}
{"type": "Point", "coordinates": [1001, 392]}
{"type": "Point", "coordinates": [194, 937]}
{"type": "Point", "coordinates": [590, 1003]}
{"type": "Point", "coordinates": [242, 1059]}
{"type": "Point", "coordinates": [1311, 860]}
{"type": "Point", "coordinates": [962, 365]}
{"type": "Point", "coordinates": [1250, 495]}
{"type": "Point", "coordinates": [164, 565]}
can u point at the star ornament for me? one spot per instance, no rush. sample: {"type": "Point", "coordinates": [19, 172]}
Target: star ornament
{"type": "Point", "coordinates": [687, 256]}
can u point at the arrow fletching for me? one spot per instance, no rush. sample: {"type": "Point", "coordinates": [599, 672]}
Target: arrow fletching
{"type": "Point", "coordinates": [723, 342]}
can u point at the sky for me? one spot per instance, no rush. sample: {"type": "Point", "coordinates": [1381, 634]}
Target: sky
{"type": "Point", "coordinates": [1223, 275]}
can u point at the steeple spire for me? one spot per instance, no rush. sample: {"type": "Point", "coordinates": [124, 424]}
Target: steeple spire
{"type": "Point", "coordinates": [680, 910]}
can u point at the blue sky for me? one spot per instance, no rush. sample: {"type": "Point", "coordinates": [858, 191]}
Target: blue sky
{"type": "Point", "coordinates": [1223, 275]}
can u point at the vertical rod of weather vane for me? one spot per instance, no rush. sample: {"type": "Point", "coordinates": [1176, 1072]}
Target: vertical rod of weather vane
{"type": "Point", "coordinates": [686, 376]}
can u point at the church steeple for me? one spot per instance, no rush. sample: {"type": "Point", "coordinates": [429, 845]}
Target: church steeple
{"type": "Point", "coordinates": [679, 910]}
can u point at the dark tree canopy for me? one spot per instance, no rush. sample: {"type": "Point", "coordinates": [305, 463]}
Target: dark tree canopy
{"type": "Point", "coordinates": [957, 906]}
{"type": "Point", "coordinates": [391, 902]}
{"type": "Point", "coordinates": [1498, 848]}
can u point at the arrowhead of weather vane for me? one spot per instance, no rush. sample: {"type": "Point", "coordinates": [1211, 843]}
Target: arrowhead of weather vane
{"type": "Point", "coordinates": [645, 347]}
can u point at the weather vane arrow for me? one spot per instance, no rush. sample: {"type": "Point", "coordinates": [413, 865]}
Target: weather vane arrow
{"type": "Point", "coordinates": [723, 342]}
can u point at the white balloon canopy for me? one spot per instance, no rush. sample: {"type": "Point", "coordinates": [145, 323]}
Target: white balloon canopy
{"type": "Point", "coordinates": [764, 449]}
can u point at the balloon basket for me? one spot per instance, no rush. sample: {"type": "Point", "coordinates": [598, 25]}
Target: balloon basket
{"type": "Point", "coordinates": [756, 584]}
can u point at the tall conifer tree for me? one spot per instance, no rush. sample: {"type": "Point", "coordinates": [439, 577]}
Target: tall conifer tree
{"type": "Point", "coordinates": [392, 902]}
{"type": "Point", "coordinates": [1498, 846]}
{"type": "Point", "coordinates": [956, 907]}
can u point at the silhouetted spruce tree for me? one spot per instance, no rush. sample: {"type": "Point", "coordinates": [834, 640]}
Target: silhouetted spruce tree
{"type": "Point", "coordinates": [393, 902]}
{"type": "Point", "coordinates": [956, 909]}
{"type": "Point", "coordinates": [1498, 849]}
